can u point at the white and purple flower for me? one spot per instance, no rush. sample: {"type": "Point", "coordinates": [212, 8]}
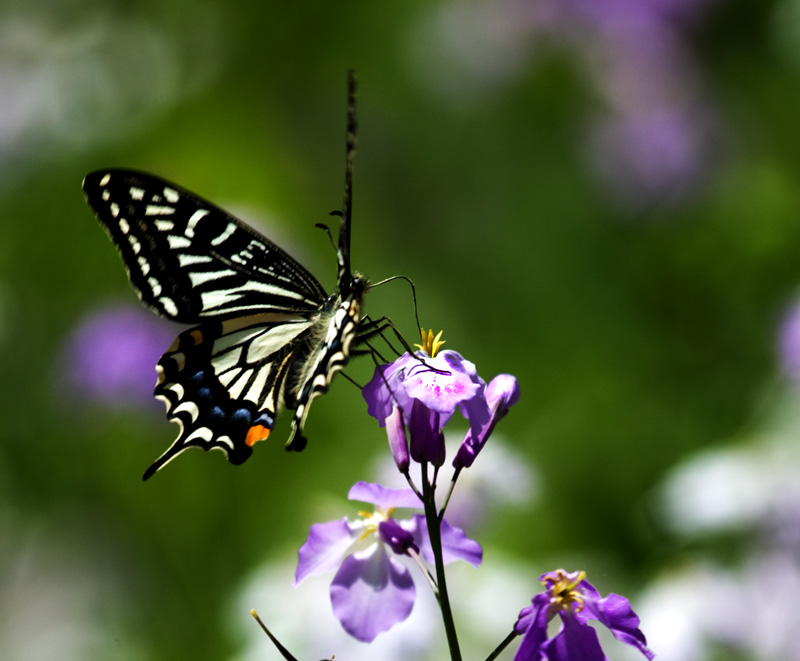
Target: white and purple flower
{"type": "Point", "coordinates": [576, 601]}
{"type": "Point", "coordinates": [372, 590]}
{"type": "Point", "coordinates": [415, 396]}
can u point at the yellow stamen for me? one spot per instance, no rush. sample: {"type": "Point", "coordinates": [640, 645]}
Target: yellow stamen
{"type": "Point", "coordinates": [430, 344]}
{"type": "Point", "coordinates": [562, 587]}
{"type": "Point", "coordinates": [372, 520]}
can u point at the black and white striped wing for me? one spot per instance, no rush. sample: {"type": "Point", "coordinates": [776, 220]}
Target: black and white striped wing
{"type": "Point", "coordinates": [188, 259]}
{"type": "Point", "coordinates": [223, 382]}
{"type": "Point", "coordinates": [259, 311]}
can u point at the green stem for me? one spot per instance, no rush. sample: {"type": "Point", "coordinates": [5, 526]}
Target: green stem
{"type": "Point", "coordinates": [502, 646]}
{"type": "Point", "coordinates": [435, 534]}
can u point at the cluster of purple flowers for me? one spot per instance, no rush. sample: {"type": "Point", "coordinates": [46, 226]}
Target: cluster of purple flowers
{"type": "Point", "coordinates": [372, 590]}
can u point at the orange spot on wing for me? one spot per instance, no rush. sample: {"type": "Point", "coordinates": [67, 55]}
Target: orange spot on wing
{"type": "Point", "coordinates": [197, 336]}
{"type": "Point", "coordinates": [255, 434]}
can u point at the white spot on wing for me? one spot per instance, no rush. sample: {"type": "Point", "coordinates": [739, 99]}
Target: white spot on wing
{"type": "Point", "coordinates": [225, 440]}
{"type": "Point", "coordinates": [114, 209]}
{"type": "Point", "coordinates": [215, 299]}
{"type": "Point", "coordinates": [188, 407]}
{"type": "Point", "coordinates": [177, 388]}
{"type": "Point", "coordinates": [158, 210]}
{"type": "Point", "coordinates": [227, 378]}
{"type": "Point", "coordinates": [230, 229]}
{"type": "Point", "coordinates": [254, 393]}
{"type": "Point", "coordinates": [106, 178]}
{"type": "Point", "coordinates": [196, 216]}
{"type": "Point", "coordinates": [135, 245]}
{"type": "Point", "coordinates": [203, 433]}
{"type": "Point", "coordinates": [123, 225]}
{"type": "Point", "coordinates": [164, 225]}
{"type": "Point", "coordinates": [204, 276]}
{"type": "Point", "coordinates": [172, 195]}
{"type": "Point", "coordinates": [136, 193]}
{"type": "Point", "coordinates": [169, 305]}
{"type": "Point", "coordinates": [176, 242]}
{"type": "Point", "coordinates": [223, 362]}
{"type": "Point", "coordinates": [155, 285]}
{"type": "Point", "coordinates": [237, 388]}
{"type": "Point", "coordinates": [188, 260]}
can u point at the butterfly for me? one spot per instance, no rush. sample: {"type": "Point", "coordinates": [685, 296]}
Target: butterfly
{"type": "Point", "coordinates": [266, 333]}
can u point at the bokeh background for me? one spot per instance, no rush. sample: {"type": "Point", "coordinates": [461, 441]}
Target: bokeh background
{"type": "Point", "coordinates": [601, 197]}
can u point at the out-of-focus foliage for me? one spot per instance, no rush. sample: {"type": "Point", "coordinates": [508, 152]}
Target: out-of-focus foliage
{"type": "Point", "coordinates": [601, 198]}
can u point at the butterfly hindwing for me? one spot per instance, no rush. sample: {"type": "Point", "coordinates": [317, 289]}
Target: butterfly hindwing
{"type": "Point", "coordinates": [222, 382]}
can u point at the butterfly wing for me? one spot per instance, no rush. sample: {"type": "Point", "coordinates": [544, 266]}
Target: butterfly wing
{"type": "Point", "coordinates": [190, 260]}
{"type": "Point", "coordinates": [224, 380]}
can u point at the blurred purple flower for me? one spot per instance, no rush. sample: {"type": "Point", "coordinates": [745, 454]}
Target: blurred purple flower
{"type": "Point", "coordinates": [789, 344]}
{"type": "Point", "coordinates": [655, 133]}
{"type": "Point", "coordinates": [650, 157]}
{"type": "Point", "coordinates": [576, 601]}
{"type": "Point", "coordinates": [654, 143]}
{"type": "Point", "coordinates": [110, 357]}
{"type": "Point", "coordinates": [372, 591]}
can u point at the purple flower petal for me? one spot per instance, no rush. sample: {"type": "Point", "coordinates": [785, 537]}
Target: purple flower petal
{"type": "Point", "coordinates": [443, 392]}
{"type": "Point", "coordinates": [324, 548]}
{"type": "Point", "coordinates": [615, 612]}
{"type": "Point", "coordinates": [501, 394]}
{"type": "Point", "coordinates": [378, 397]}
{"type": "Point", "coordinates": [426, 441]}
{"type": "Point", "coordinates": [532, 622]}
{"type": "Point", "coordinates": [380, 496]}
{"type": "Point", "coordinates": [575, 642]}
{"type": "Point", "coordinates": [371, 594]}
{"type": "Point", "coordinates": [396, 537]}
{"type": "Point", "coordinates": [455, 544]}
{"type": "Point", "coordinates": [385, 389]}
{"type": "Point", "coordinates": [398, 443]}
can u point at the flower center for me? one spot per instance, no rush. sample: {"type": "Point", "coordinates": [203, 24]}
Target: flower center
{"type": "Point", "coordinates": [373, 520]}
{"type": "Point", "coordinates": [563, 589]}
{"type": "Point", "coordinates": [430, 344]}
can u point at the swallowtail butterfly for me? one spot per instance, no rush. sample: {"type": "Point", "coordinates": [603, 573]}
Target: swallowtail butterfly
{"type": "Point", "coordinates": [266, 336]}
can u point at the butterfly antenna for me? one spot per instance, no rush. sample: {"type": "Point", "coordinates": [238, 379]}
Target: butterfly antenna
{"type": "Point", "coordinates": [413, 292]}
{"type": "Point", "coordinates": [347, 203]}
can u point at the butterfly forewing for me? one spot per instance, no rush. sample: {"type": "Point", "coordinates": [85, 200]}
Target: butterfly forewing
{"type": "Point", "coordinates": [190, 260]}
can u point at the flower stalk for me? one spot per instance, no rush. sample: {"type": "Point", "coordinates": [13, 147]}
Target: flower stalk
{"type": "Point", "coordinates": [434, 533]}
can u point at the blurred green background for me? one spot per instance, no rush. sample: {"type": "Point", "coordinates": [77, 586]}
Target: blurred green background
{"type": "Point", "coordinates": [600, 198]}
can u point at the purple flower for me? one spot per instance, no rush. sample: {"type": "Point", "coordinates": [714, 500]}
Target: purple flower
{"type": "Point", "coordinates": [111, 354]}
{"type": "Point", "coordinates": [372, 591]}
{"type": "Point", "coordinates": [415, 396]}
{"type": "Point", "coordinates": [576, 601]}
